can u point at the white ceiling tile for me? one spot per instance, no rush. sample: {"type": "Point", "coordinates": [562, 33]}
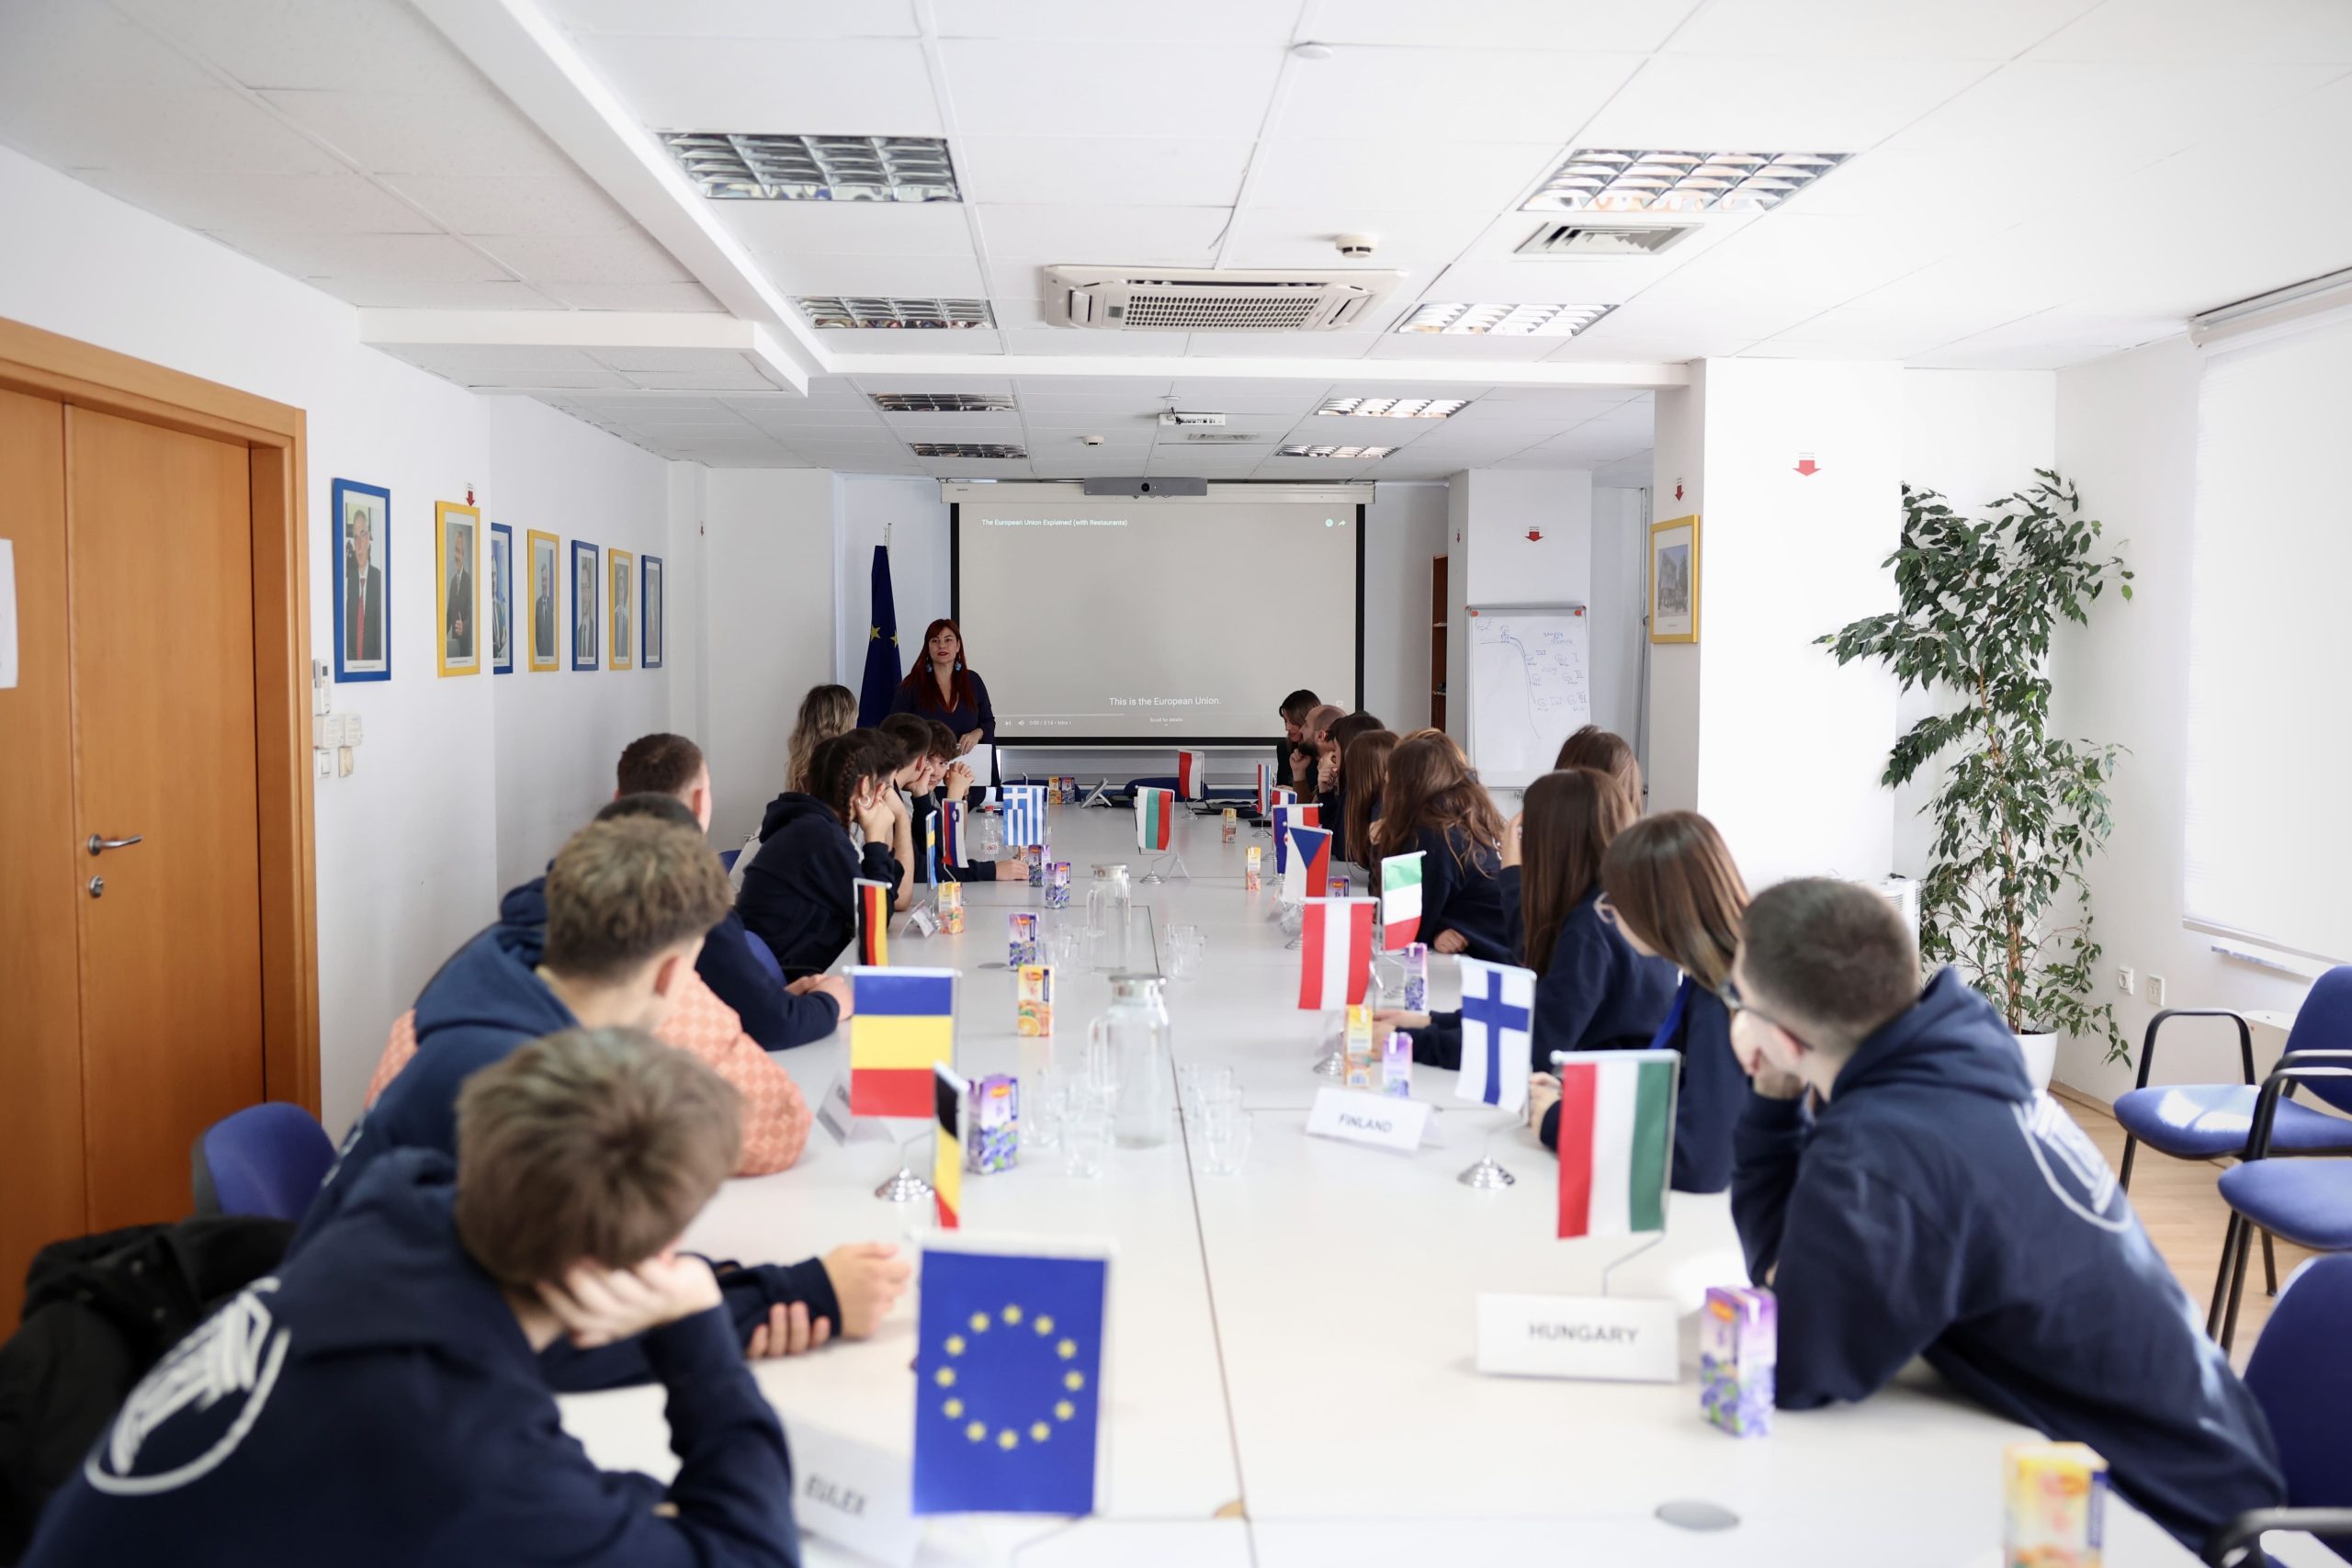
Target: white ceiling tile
{"type": "Point", "coordinates": [1055, 20]}
{"type": "Point", "coordinates": [460, 361]}
{"type": "Point", "coordinates": [1331, 430]}
{"type": "Point", "coordinates": [1871, 30]}
{"type": "Point", "coordinates": [1044, 88]}
{"type": "Point", "coordinates": [1599, 25]}
{"type": "Point", "coordinates": [333, 204]}
{"type": "Point", "coordinates": [683, 298]}
{"type": "Point", "coordinates": [745, 379]}
{"type": "Point", "coordinates": [739, 18]}
{"type": "Point", "coordinates": [803, 87]}
{"type": "Point", "coordinates": [953, 427]}
{"type": "Point", "coordinates": [1247, 397]}
{"type": "Point", "coordinates": [73, 126]}
{"type": "Point", "coordinates": [358, 44]}
{"type": "Point", "coordinates": [1565, 400]}
{"type": "Point", "coordinates": [1058, 341]}
{"type": "Point", "coordinates": [2286, 32]}
{"type": "Point", "coordinates": [848, 228]}
{"type": "Point", "coordinates": [1800, 261]}
{"type": "Point", "coordinates": [410, 258]}
{"type": "Point", "coordinates": [629, 257]}
{"type": "Point", "coordinates": [1534, 282]}
{"type": "Point", "coordinates": [1431, 346]}
{"type": "Point", "coordinates": [688, 359]}
{"type": "Point", "coordinates": [1429, 174]}
{"type": "Point", "coordinates": [515, 204]}
{"type": "Point", "coordinates": [394, 294]}
{"type": "Point", "coordinates": [903, 277]}
{"type": "Point", "coordinates": [2103, 116]}
{"type": "Point", "coordinates": [1017, 238]}
{"type": "Point", "coordinates": [1040, 392]}
{"type": "Point", "coordinates": [1476, 94]}
{"type": "Point", "coordinates": [1281, 345]}
{"type": "Point", "coordinates": [1418, 244]}
{"type": "Point", "coordinates": [1806, 105]}
{"type": "Point", "coordinates": [853, 341]}
{"type": "Point", "coordinates": [401, 133]}
{"type": "Point", "coordinates": [1143, 171]}
{"type": "Point", "coordinates": [573, 381]}
{"type": "Point", "coordinates": [108, 52]}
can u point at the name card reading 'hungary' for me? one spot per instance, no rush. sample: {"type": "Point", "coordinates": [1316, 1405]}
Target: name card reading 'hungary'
{"type": "Point", "coordinates": [1377, 1118]}
{"type": "Point", "coordinates": [854, 1494]}
{"type": "Point", "coordinates": [1609, 1338]}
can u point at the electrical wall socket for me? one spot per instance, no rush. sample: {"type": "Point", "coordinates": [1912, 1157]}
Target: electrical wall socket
{"type": "Point", "coordinates": [2127, 981]}
{"type": "Point", "coordinates": [2156, 990]}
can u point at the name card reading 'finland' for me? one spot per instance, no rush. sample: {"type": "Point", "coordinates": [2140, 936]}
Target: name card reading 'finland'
{"type": "Point", "coordinates": [854, 1494]}
{"type": "Point", "coordinates": [1375, 1119]}
{"type": "Point", "coordinates": [1608, 1338]}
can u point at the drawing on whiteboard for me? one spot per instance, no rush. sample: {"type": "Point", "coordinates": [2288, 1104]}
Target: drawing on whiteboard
{"type": "Point", "coordinates": [1531, 689]}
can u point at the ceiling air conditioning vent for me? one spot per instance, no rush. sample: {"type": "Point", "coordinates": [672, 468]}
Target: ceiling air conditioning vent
{"type": "Point", "coordinates": [1586, 237]}
{"type": "Point", "coordinates": [1222, 438]}
{"type": "Point", "coordinates": [1110, 299]}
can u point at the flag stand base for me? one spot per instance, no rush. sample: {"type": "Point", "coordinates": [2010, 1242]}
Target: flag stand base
{"type": "Point", "coordinates": [1487, 1176]}
{"type": "Point", "coordinates": [1176, 868]}
{"type": "Point", "coordinates": [1333, 1062]}
{"type": "Point", "coordinates": [1099, 796]}
{"type": "Point", "coordinates": [905, 1186]}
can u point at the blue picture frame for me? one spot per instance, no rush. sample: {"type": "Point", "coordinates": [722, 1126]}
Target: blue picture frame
{"type": "Point", "coordinates": [650, 628]}
{"type": "Point", "coordinates": [587, 606]}
{"type": "Point", "coordinates": [502, 599]}
{"type": "Point", "coordinates": [365, 629]}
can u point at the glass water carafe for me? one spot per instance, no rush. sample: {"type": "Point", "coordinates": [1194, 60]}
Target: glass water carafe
{"type": "Point", "coordinates": [990, 837]}
{"type": "Point", "coordinates": [1109, 919]}
{"type": "Point", "coordinates": [1135, 1035]}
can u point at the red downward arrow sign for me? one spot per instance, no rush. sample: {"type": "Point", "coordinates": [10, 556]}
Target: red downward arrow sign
{"type": "Point", "coordinates": [1806, 466]}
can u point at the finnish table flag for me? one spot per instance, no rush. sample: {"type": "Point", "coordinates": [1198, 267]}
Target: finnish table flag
{"type": "Point", "coordinates": [1498, 1014]}
{"type": "Point", "coordinates": [1335, 954]}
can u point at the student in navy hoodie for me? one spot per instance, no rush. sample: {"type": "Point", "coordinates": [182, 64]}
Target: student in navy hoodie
{"type": "Point", "coordinates": [800, 893]}
{"type": "Point", "coordinates": [1364, 775]}
{"type": "Point", "coordinates": [1295, 709]}
{"type": "Point", "coordinates": [377, 1401]}
{"type": "Point", "coordinates": [1906, 1192]}
{"type": "Point", "coordinates": [1593, 992]}
{"type": "Point", "coordinates": [1433, 803]}
{"type": "Point", "coordinates": [779, 1017]}
{"type": "Point", "coordinates": [1331, 781]}
{"type": "Point", "coordinates": [950, 782]}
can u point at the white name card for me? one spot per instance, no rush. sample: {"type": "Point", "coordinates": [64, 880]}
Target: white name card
{"type": "Point", "coordinates": [1375, 1119]}
{"type": "Point", "coordinates": [835, 1115]}
{"type": "Point", "coordinates": [854, 1494]}
{"type": "Point", "coordinates": [922, 922]}
{"type": "Point", "coordinates": [1605, 1339]}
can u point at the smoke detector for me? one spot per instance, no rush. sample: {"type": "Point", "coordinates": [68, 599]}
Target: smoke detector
{"type": "Point", "coordinates": [1111, 298]}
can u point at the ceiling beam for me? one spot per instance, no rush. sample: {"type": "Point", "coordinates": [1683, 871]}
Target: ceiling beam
{"type": "Point", "coordinates": [1638, 374]}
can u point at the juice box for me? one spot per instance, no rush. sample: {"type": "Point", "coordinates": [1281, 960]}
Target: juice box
{"type": "Point", "coordinates": [1250, 881]}
{"type": "Point", "coordinates": [1022, 948]}
{"type": "Point", "coordinates": [2054, 1506]}
{"type": "Point", "coordinates": [1339, 886]}
{"type": "Point", "coordinates": [1036, 1003]}
{"type": "Point", "coordinates": [1739, 1342]}
{"type": "Point", "coordinates": [993, 1142]}
{"type": "Point", "coordinates": [1053, 792]}
{"type": "Point", "coordinates": [1057, 885]}
{"type": "Point", "coordinates": [951, 908]}
{"type": "Point", "coordinates": [1417, 977]}
{"type": "Point", "coordinates": [1232, 825]}
{"type": "Point", "coordinates": [1396, 1065]}
{"type": "Point", "coordinates": [1033, 857]}
{"type": "Point", "coordinates": [1360, 1062]}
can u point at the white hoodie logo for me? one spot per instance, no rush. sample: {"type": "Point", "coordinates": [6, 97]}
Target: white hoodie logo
{"type": "Point", "coordinates": [213, 1385]}
{"type": "Point", "coordinates": [2071, 1164]}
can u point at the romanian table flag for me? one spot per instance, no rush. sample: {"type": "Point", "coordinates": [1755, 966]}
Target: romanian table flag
{"type": "Point", "coordinates": [1287, 817]}
{"type": "Point", "coordinates": [1497, 1013]}
{"type": "Point", "coordinates": [1616, 1140]}
{"type": "Point", "coordinates": [1334, 954]}
{"type": "Point", "coordinates": [873, 922]}
{"type": "Point", "coordinates": [1155, 818]}
{"type": "Point", "coordinates": [902, 1026]}
{"type": "Point", "coordinates": [1193, 774]}
{"type": "Point", "coordinates": [1024, 815]}
{"type": "Point", "coordinates": [1008, 1379]}
{"type": "Point", "coordinates": [1309, 873]}
{"type": "Point", "coordinates": [947, 1149]}
{"type": "Point", "coordinates": [952, 842]}
{"type": "Point", "coordinates": [1400, 900]}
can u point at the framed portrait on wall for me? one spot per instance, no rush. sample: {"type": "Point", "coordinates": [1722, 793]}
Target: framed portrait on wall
{"type": "Point", "coordinates": [587, 603]}
{"type": "Point", "coordinates": [624, 591]}
{"type": "Point", "coordinates": [363, 611]}
{"type": "Point", "coordinates": [1673, 579]}
{"type": "Point", "coordinates": [457, 554]}
{"type": "Point", "coordinates": [649, 612]}
{"type": "Point", "coordinates": [501, 614]}
{"type": "Point", "coordinates": [546, 601]}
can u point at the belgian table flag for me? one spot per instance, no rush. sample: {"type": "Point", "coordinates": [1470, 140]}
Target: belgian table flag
{"type": "Point", "coordinates": [901, 1026]}
{"type": "Point", "coordinates": [873, 922]}
{"type": "Point", "coordinates": [947, 1150]}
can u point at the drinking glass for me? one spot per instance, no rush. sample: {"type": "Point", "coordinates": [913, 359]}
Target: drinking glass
{"type": "Point", "coordinates": [1086, 1139]}
{"type": "Point", "coordinates": [1184, 948]}
{"type": "Point", "coordinates": [1044, 1106]}
{"type": "Point", "coordinates": [1225, 1140]}
{"type": "Point", "coordinates": [1100, 1067]}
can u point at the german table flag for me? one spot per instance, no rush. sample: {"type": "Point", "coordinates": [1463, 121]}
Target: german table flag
{"type": "Point", "coordinates": [948, 1152]}
{"type": "Point", "coordinates": [873, 922]}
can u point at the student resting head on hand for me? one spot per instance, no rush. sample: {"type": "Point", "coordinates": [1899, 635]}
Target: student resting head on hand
{"type": "Point", "coordinates": [1433, 803]}
{"type": "Point", "coordinates": [1364, 775]}
{"type": "Point", "coordinates": [1605, 752]}
{"type": "Point", "coordinates": [798, 894]}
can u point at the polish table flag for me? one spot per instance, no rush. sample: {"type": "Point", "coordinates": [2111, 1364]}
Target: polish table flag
{"type": "Point", "coordinates": [1308, 875]}
{"type": "Point", "coordinates": [1400, 900]}
{"type": "Point", "coordinates": [1335, 954]}
{"type": "Point", "coordinates": [1193, 774]}
{"type": "Point", "coordinates": [1155, 818]}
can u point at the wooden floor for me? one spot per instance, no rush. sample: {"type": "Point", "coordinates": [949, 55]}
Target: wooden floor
{"type": "Point", "coordinates": [2185, 1216]}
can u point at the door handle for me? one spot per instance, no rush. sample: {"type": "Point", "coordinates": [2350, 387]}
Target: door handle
{"type": "Point", "coordinates": [100, 843]}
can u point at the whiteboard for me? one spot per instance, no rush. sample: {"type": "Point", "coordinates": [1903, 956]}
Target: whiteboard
{"type": "Point", "coordinates": [1530, 688]}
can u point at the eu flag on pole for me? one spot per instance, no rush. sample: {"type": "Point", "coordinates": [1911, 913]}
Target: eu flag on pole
{"type": "Point", "coordinates": [1008, 1382]}
{"type": "Point", "coordinates": [879, 687]}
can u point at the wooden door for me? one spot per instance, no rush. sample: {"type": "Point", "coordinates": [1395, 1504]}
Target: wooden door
{"type": "Point", "coordinates": [161, 553]}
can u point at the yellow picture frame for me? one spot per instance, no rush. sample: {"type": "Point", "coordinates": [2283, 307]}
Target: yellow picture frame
{"type": "Point", "coordinates": [1673, 579]}
{"type": "Point", "coordinates": [456, 588]}
{"type": "Point", "coordinates": [544, 576]}
{"type": "Point", "coordinates": [620, 609]}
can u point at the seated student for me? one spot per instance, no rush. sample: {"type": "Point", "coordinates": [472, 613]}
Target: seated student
{"type": "Point", "coordinates": [1906, 1192]}
{"type": "Point", "coordinates": [914, 776]}
{"type": "Point", "coordinates": [800, 893]}
{"type": "Point", "coordinates": [1434, 802]}
{"type": "Point", "coordinates": [777, 1017]}
{"type": "Point", "coordinates": [1330, 782]}
{"type": "Point", "coordinates": [1605, 752]}
{"type": "Point", "coordinates": [952, 783]}
{"type": "Point", "coordinates": [825, 712]}
{"type": "Point", "coordinates": [1592, 991]}
{"type": "Point", "coordinates": [376, 1401]}
{"type": "Point", "coordinates": [1295, 709]}
{"type": "Point", "coordinates": [1363, 773]}
{"type": "Point", "coordinates": [1306, 755]}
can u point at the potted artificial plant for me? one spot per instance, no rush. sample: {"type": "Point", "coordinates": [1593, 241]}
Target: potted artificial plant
{"type": "Point", "coordinates": [2018, 814]}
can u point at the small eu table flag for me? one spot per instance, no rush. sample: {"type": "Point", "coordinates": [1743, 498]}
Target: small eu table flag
{"type": "Point", "coordinates": [1008, 1383]}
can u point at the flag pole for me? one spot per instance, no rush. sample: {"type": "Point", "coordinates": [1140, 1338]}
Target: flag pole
{"type": "Point", "coordinates": [1628, 1257]}
{"type": "Point", "coordinates": [1333, 1062]}
{"type": "Point", "coordinates": [906, 1186]}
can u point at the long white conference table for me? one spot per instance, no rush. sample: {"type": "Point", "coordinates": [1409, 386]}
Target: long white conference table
{"type": "Point", "coordinates": [1290, 1373]}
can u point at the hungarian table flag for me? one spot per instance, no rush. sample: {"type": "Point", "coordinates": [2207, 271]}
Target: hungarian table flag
{"type": "Point", "coordinates": [1193, 774]}
{"type": "Point", "coordinates": [1285, 818]}
{"type": "Point", "coordinates": [1400, 900]}
{"type": "Point", "coordinates": [1155, 818]}
{"type": "Point", "coordinates": [904, 1024]}
{"type": "Point", "coordinates": [1334, 954]}
{"type": "Point", "coordinates": [1265, 788]}
{"type": "Point", "coordinates": [1498, 1011]}
{"type": "Point", "coordinates": [1616, 1139]}
{"type": "Point", "coordinates": [951, 847]}
{"type": "Point", "coordinates": [873, 922]}
{"type": "Point", "coordinates": [1024, 815]}
{"type": "Point", "coordinates": [1309, 873]}
{"type": "Point", "coordinates": [947, 1149]}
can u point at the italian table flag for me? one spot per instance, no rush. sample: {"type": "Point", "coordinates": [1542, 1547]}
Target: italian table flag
{"type": "Point", "coordinates": [1400, 900]}
{"type": "Point", "coordinates": [1334, 954]}
{"type": "Point", "coordinates": [1616, 1140]}
{"type": "Point", "coordinates": [1155, 818]}
{"type": "Point", "coordinates": [1193, 774]}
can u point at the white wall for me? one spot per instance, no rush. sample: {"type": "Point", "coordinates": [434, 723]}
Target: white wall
{"type": "Point", "coordinates": [1619, 586]}
{"type": "Point", "coordinates": [1670, 736]}
{"type": "Point", "coordinates": [1403, 530]}
{"type": "Point", "coordinates": [1522, 537]}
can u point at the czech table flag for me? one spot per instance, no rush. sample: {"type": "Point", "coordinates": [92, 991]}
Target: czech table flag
{"type": "Point", "coordinates": [902, 1026]}
{"type": "Point", "coordinates": [951, 847]}
{"type": "Point", "coordinates": [1155, 818]}
{"type": "Point", "coordinates": [1616, 1139]}
{"type": "Point", "coordinates": [1285, 818]}
{"type": "Point", "coordinates": [1400, 900]}
{"type": "Point", "coordinates": [1024, 815]}
{"type": "Point", "coordinates": [1334, 954]}
{"type": "Point", "coordinates": [873, 922]}
{"type": "Point", "coordinates": [947, 1150]}
{"type": "Point", "coordinates": [1193, 774]}
{"type": "Point", "coordinates": [1265, 788]}
{"type": "Point", "coordinates": [1497, 1012]}
{"type": "Point", "coordinates": [1309, 873]}
{"type": "Point", "coordinates": [1008, 1376]}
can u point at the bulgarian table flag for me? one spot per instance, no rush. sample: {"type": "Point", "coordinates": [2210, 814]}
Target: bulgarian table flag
{"type": "Point", "coordinates": [1285, 818]}
{"type": "Point", "coordinates": [1616, 1140]}
{"type": "Point", "coordinates": [902, 1024]}
{"type": "Point", "coordinates": [873, 922]}
{"type": "Point", "coordinates": [1309, 875]}
{"type": "Point", "coordinates": [1193, 774]}
{"type": "Point", "coordinates": [947, 1150]}
{"type": "Point", "coordinates": [1498, 1011]}
{"type": "Point", "coordinates": [1400, 900]}
{"type": "Point", "coordinates": [1334, 954]}
{"type": "Point", "coordinates": [1155, 818]}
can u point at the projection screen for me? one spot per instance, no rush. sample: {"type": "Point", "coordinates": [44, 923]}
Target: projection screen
{"type": "Point", "coordinates": [1158, 622]}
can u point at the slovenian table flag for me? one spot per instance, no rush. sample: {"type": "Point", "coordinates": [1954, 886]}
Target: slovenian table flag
{"type": "Point", "coordinates": [1616, 1139]}
{"type": "Point", "coordinates": [1009, 1376]}
{"type": "Point", "coordinates": [1193, 774]}
{"type": "Point", "coordinates": [1024, 815]}
{"type": "Point", "coordinates": [1309, 873]}
{"type": "Point", "coordinates": [1155, 818]}
{"type": "Point", "coordinates": [1400, 900]}
{"type": "Point", "coordinates": [1498, 1014]}
{"type": "Point", "coordinates": [1285, 818]}
{"type": "Point", "coordinates": [873, 922]}
{"type": "Point", "coordinates": [951, 847]}
{"type": "Point", "coordinates": [1335, 954]}
{"type": "Point", "coordinates": [947, 1149]}
{"type": "Point", "coordinates": [902, 1023]}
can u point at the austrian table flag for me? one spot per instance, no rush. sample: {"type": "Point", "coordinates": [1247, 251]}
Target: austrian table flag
{"type": "Point", "coordinates": [1193, 774]}
{"type": "Point", "coordinates": [1309, 873]}
{"type": "Point", "coordinates": [1024, 815]}
{"type": "Point", "coordinates": [1616, 1139]}
{"type": "Point", "coordinates": [1498, 1011]}
{"type": "Point", "coordinates": [1285, 818]}
{"type": "Point", "coordinates": [902, 1024]}
{"type": "Point", "coordinates": [947, 1149]}
{"type": "Point", "coordinates": [1335, 954]}
{"type": "Point", "coordinates": [1400, 900]}
{"type": "Point", "coordinates": [873, 922]}
{"type": "Point", "coordinates": [1155, 818]}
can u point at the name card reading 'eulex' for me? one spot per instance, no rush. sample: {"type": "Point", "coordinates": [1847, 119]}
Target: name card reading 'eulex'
{"type": "Point", "coordinates": [854, 1494]}
{"type": "Point", "coordinates": [1608, 1338]}
{"type": "Point", "coordinates": [1380, 1120]}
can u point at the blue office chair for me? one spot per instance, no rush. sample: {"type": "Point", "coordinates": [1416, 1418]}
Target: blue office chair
{"type": "Point", "coordinates": [266, 1160]}
{"type": "Point", "coordinates": [727, 857]}
{"type": "Point", "coordinates": [2309, 1201]}
{"type": "Point", "coordinates": [2300, 1374]}
{"type": "Point", "coordinates": [1155, 780]}
{"type": "Point", "coordinates": [764, 955]}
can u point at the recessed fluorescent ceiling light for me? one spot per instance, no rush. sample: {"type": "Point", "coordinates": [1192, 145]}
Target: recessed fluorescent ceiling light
{"type": "Point", "coordinates": [943, 403]}
{"type": "Point", "coordinates": [1395, 408]}
{"type": "Point", "coordinates": [967, 449]}
{"type": "Point", "coordinates": [1337, 451]}
{"type": "Point", "coordinates": [844, 310]}
{"type": "Point", "coordinates": [1609, 180]}
{"type": "Point", "coordinates": [1504, 320]}
{"type": "Point", "coordinates": [737, 166]}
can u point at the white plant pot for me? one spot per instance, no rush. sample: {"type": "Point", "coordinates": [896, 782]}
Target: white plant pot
{"type": "Point", "coordinates": [2040, 1054]}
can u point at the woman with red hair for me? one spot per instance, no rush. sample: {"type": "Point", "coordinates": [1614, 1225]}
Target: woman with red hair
{"type": "Point", "coordinates": [941, 687]}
